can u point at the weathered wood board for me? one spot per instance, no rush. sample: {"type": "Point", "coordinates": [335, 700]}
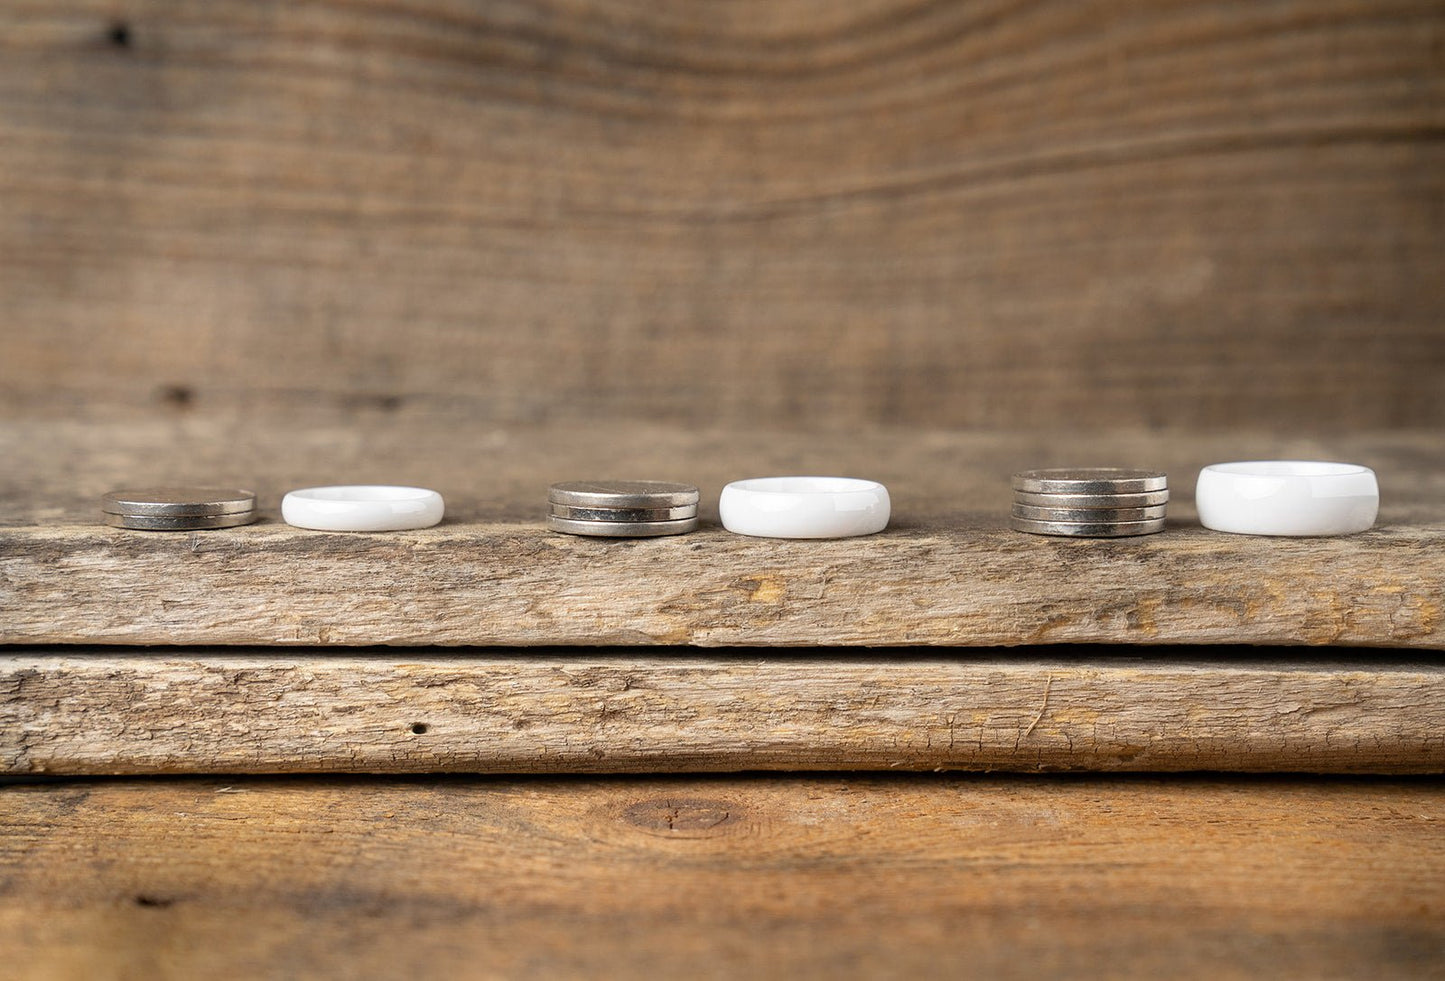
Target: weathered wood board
{"type": "Point", "coordinates": [948, 572]}
{"type": "Point", "coordinates": [104, 712]}
{"type": "Point", "coordinates": [835, 877]}
{"type": "Point", "coordinates": [985, 214]}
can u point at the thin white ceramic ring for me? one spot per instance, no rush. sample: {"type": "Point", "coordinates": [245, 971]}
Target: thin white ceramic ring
{"type": "Point", "coordinates": [804, 507]}
{"type": "Point", "coordinates": [1287, 497]}
{"type": "Point", "coordinates": [362, 507]}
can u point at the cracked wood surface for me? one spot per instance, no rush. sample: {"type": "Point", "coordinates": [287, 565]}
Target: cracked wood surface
{"type": "Point", "coordinates": [947, 572]}
{"type": "Point", "coordinates": [983, 214]}
{"type": "Point", "coordinates": [108, 712]}
{"type": "Point", "coordinates": [765, 877]}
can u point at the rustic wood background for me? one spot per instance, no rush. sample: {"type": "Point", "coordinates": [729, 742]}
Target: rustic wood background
{"type": "Point", "coordinates": [893, 211]}
{"type": "Point", "coordinates": [818, 878]}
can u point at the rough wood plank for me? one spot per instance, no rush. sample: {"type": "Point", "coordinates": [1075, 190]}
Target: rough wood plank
{"type": "Point", "coordinates": [739, 877]}
{"type": "Point", "coordinates": [957, 582]}
{"type": "Point", "coordinates": [961, 214]}
{"type": "Point", "coordinates": [948, 572]}
{"type": "Point", "coordinates": [272, 712]}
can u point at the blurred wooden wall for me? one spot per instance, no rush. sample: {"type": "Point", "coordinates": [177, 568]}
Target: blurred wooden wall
{"type": "Point", "coordinates": [813, 212]}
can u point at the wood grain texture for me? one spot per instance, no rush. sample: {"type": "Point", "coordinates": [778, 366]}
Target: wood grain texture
{"type": "Point", "coordinates": [738, 877]}
{"type": "Point", "coordinates": [945, 214]}
{"type": "Point", "coordinates": [103, 712]}
{"type": "Point", "coordinates": [947, 572]}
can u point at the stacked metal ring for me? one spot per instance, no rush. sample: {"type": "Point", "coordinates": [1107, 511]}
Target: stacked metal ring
{"type": "Point", "coordinates": [1092, 503]}
{"type": "Point", "coordinates": [622, 508]}
{"type": "Point", "coordinates": [178, 508]}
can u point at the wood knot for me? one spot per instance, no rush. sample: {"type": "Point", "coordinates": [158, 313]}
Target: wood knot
{"type": "Point", "coordinates": [176, 396]}
{"type": "Point", "coordinates": [154, 902]}
{"type": "Point", "coordinates": [682, 818]}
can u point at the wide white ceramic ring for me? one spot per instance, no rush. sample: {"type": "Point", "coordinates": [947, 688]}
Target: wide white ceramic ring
{"type": "Point", "coordinates": [1287, 497]}
{"type": "Point", "coordinates": [365, 507]}
{"type": "Point", "coordinates": [804, 507]}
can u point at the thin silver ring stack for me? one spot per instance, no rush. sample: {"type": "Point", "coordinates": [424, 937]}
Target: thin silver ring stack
{"type": "Point", "coordinates": [178, 508]}
{"type": "Point", "coordinates": [622, 508]}
{"type": "Point", "coordinates": [1089, 503]}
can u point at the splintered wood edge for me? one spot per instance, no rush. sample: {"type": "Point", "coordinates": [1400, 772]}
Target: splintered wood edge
{"type": "Point", "coordinates": [940, 583]}
{"type": "Point", "coordinates": [201, 712]}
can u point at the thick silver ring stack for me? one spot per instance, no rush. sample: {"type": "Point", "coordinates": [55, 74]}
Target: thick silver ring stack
{"type": "Point", "coordinates": [622, 508]}
{"type": "Point", "coordinates": [1091, 503]}
{"type": "Point", "coordinates": [178, 508]}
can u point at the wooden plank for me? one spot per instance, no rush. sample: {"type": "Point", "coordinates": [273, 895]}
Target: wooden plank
{"type": "Point", "coordinates": [947, 573]}
{"type": "Point", "coordinates": [1211, 212]}
{"type": "Point", "coordinates": [632, 711]}
{"type": "Point", "coordinates": [740, 877]}
{"type": "Point", "coordinates": [956, 583]}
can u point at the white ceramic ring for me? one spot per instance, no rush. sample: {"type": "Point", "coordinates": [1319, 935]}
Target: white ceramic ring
{"type": "Point", "coordinates": [804, 507]}
{"type": "Point", "coordinates": [363, 507]}
{"type": "Point", "coordinates": [1287, 497]}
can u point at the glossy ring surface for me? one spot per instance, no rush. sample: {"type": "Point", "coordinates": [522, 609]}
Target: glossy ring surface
{"type": "Point", "coordinates": [1287, 497]}
{"type": "Point", "coordinates": [362, 507]}
{"type": "Point", "coordinates": [804, 507]}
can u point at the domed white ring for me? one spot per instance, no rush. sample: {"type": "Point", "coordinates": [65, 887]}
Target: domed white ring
{"type": "Point", "coordinates": [362, 507]}
{"type": "Point", "coordinates": [804, 507]}
{"type": "Point", "coordinates": [1287, 497]}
